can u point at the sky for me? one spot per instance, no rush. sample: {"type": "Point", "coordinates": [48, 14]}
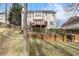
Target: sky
{"type": "Point", "coordinates": [61, 15]}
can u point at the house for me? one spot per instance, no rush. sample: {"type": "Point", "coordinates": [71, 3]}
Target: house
{"type": "Point", "coordinates": [71, 28]}
{"type": "Point", "coordinates": [72, 23]}
{"type": "Point", "coordinates": [36, 18]}
{"type": "Point", "coordinates": [2, 19]}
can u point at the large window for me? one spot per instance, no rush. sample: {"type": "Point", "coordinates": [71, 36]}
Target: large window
{"type": "Point", "coordinates": [38, 15]}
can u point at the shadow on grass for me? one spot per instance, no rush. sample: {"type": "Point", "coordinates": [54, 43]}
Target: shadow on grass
{"type": "Point", "coordinates": [35, 49]}
{"type": "Point", "coordinates": [3, 39]}
{"type": "Point", "coordinates": [3, 50]}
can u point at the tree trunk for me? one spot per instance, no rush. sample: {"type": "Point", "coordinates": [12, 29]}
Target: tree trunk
{"type": "Point", "coordinates": [5, 14]}
{"type": "Point", "coordinates": [25, 31]}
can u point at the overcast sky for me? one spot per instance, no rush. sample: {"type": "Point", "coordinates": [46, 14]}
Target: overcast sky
{"type": "Point", "coordinates": [61, 15]}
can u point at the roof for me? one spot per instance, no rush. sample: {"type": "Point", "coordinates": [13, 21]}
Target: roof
{"type": "Point", "coordinates": [44, 11]}
{"type": "Point", "coordinates": [71, 21]}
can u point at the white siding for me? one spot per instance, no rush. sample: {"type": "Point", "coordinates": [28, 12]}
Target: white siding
{"type": "Point", "coordinates": [49, 17]}
{"type": "Point", "coordinates": [2, 18]}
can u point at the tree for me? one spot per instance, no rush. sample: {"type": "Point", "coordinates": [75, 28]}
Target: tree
{"type": "Point", "coordinates": [15, 14]}
{"type": "Point", "coordinates": [74, 8]}
{"type": "Point", "coordinates": [25, 31]}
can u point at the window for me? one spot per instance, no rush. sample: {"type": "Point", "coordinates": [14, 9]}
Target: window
{"type": "Point", "coordinates": [51, 23]}
{"type": "Point", "coordinates": [38, 15]}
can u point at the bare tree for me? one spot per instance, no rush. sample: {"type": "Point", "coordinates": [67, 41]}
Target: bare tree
{"type": "Point", "coordinates": [5, 14]}
{"type": "Point", "coordinates": [74, 8]}
{"type": "Point", "coordinates": [25, 31]}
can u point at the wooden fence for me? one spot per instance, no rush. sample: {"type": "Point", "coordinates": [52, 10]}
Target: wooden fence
{"type": "Point", "coordinates": [56, 37]}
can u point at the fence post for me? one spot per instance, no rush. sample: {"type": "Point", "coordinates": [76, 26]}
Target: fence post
{"type": "Point", "coordinates": [65, 38]}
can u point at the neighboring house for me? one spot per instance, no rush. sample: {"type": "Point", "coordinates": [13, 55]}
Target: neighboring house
{"type": "Point", "coordinates": [2, 18]}
{"type": "Point", "coordinates": [72, 23]}
{"type": "Point", "coordinates": [72, 29]}
{"type": "Point", "coordinates": [45, 18]}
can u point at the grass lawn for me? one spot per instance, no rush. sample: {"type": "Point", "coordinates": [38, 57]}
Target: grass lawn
{"type": "Point", "coordinates": [43, 47]}
{"type": "Point", "coordinates": [11, 42]}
